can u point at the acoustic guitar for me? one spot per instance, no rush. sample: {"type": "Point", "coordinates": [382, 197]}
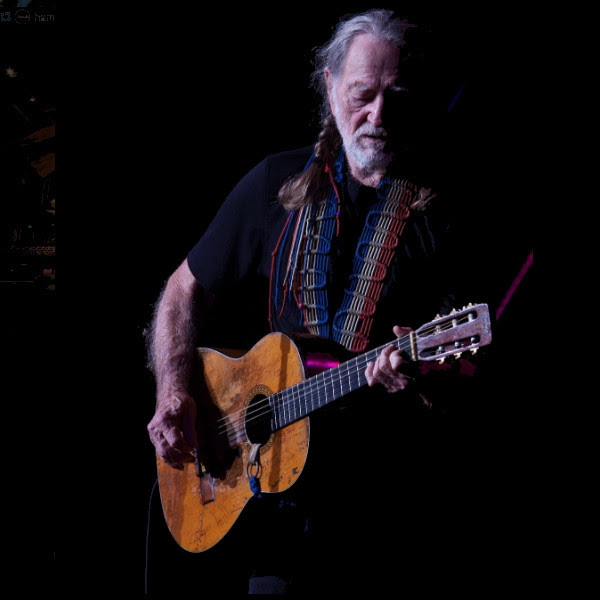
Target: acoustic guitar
{"type": "Point", "coordinates": [257, 408]}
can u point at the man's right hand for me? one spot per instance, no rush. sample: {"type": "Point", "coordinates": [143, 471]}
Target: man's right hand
{"type": "Point", "coordinates": [173, 429]}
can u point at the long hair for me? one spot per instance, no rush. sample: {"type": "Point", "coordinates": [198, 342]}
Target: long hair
{"type": "Point", "coordinates": [312, 183]}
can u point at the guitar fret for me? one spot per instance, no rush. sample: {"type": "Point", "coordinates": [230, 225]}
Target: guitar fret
{"type": "Point", "coordinates": [321, 390]}
{"type": "Point", "coordinates": [286, 406]}
{"type": "Point", "coordinates": [306, 398]}
{"type": "Point", "coordinates": [275, 406]}
{"type": "Point", "coordinates": [297, 404]}
{"type": "Point", "coordinates": [303, 411]}
{"type": "Point", "coordinates": [292, 405]}
{"type": "Point", "coordinates": [301, 402]}
{"type": "Point", "coordinates": [332, 384]}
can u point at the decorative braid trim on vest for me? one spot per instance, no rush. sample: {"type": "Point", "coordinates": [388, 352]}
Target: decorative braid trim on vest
{"type": "Point", "coordinates": [311, 228]}
{"type": "Point", "coordinates": [376, 248]}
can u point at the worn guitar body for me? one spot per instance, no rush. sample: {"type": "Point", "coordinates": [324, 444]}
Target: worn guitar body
{"type": "Point", "coordinates": [254, 411]}
{"type": "Point", "coordinates": [201, 508]}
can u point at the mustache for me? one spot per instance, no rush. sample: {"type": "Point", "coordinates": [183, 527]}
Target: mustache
{"type": "Point", "coordinates": [370, 130]}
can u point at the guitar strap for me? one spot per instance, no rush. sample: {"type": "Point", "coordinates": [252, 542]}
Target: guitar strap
{"type": "Point", "coordinates": [312, 228]}
{"type": "Point", "coordinates": [383, 227]}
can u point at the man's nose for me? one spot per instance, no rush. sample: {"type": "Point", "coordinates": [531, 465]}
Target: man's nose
{"type": "Point", "coordinates": [375, 116]}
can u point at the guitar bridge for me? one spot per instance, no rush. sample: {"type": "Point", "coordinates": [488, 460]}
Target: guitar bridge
{"type": "Point", "coordinates": [206, 484]}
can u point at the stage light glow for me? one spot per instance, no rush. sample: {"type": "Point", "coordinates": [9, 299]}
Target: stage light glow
{"type": "Point", "coordinates": [316, 362]}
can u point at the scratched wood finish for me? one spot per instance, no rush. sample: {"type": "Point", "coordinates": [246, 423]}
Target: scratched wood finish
{"type": "Point", "coordinates": [272, 365]}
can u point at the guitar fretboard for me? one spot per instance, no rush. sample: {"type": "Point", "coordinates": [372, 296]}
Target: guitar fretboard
{"type": "Point", "coordinates": [298, 401]}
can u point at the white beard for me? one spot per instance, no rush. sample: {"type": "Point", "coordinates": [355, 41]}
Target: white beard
{"type": "Point", "coordinates": [367, 155]}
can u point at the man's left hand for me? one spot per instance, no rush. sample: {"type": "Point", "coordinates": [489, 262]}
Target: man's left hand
{"type": "Point", "coordinates": [386, 370]}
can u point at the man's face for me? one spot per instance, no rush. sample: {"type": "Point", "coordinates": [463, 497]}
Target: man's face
{"type": "Point", "coordinates": [358, 96]}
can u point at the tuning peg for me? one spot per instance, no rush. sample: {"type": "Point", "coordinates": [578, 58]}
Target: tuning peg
{"type": "Point", "coordinates": [474, 350]}
{"type": "Point", "coordinates": [457, 354]}
{"type": "Point", "coordinates": [453, 311]}
{"type": "Point", "coordinates": [438, 316]}
{"type": "Point", "coordinates": [470, 305]}
{"type": "Point", "coordinates": [441, 360]}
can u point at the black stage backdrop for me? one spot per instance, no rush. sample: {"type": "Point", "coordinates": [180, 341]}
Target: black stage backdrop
{"type": "Point", "coordinates": [163, 109]}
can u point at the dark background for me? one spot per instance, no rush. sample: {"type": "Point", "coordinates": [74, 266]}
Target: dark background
{"type": "Point", "coordinates": [160, 119]}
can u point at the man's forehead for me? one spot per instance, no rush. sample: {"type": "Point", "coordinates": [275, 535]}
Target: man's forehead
{"type": "Point", "coordinates": [366, 76]}
{"type": "Point", "coordinates": [367, 80]}
{"type": "Point", "coordinates": [369, 59]}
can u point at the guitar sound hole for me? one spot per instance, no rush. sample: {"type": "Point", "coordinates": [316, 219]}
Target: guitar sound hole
{"type": "Point", "coordinates": [258, 420]}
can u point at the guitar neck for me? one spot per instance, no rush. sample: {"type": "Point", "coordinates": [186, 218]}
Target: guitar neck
{"type": "Point", "coordinates": [298, 401]}
{"type": "Point", "coordinates": [446, 336]}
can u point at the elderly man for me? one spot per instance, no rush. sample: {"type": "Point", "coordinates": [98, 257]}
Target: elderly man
{"type": "Point", "coordinates": [348, 238]}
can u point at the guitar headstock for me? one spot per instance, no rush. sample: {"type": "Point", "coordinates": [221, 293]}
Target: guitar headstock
{"type": "Point", "coordinates": [451, 335]}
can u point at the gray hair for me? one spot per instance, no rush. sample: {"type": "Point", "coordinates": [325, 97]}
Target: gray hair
{"type": "Point", "coordinates": [312, 183]}
{"type": "Point", "coordinates": [380, 23]}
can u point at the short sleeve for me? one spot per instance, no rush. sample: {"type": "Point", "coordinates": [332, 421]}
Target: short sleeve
{"type": "Point", "coordinates": [232, 244]}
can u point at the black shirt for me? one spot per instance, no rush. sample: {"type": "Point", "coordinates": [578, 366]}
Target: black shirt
{"type": "Point", "coordinates": [371, 475]}
{"type": "Point", "coordinates": [236, 252]}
